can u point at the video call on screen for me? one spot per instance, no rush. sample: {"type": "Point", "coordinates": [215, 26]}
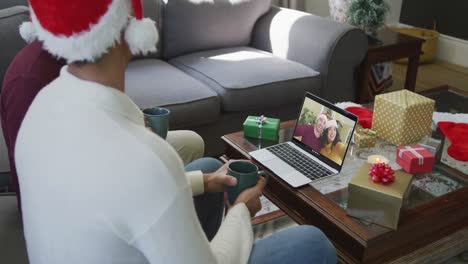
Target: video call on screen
{"type": "Point", "coordinates": [324, 130]}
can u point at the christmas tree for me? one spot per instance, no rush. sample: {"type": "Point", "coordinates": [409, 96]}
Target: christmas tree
{"type": "Point", "coordinates": [369, 15]}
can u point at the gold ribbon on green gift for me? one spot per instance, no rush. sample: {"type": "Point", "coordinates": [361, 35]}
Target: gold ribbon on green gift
{"type": "Point", "coordinates": [366, 136]}
{"type": "Point", "coordinates": [366, 131]}
{"type": "Point", "coordinates": [260, 120]}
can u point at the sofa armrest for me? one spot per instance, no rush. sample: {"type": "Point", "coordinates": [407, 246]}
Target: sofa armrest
{"type": "Point", "coordinates": [11, 42]}
{"type": "Point", "coordinates": [4, 162]}
{"type": "Point", "coordinates": [331, 48]}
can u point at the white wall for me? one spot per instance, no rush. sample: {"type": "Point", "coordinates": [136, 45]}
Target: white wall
{"type": "Point", "coordinates": [453, 50]}
{"type": "Point", "coordinates": [318, 7]}
{"type": "Point", "coordinates": [395, 11]}
{"type": "Point", "coordinates": [321, 8]}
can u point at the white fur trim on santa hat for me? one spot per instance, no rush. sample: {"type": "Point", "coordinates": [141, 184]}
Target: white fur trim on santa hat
{"type": "Point", "coordinates": [344, 105]}
{"type": "Point", "coordinates": [27, 32]}
{"type": "Point", "coordinates": [90, 45]}
{"type": "Point", "coordinates": [141, 36]}
{"type": "Point", "coordinates": [449, 117]}
{"type": "Point", "coordinates": [331, 123]}
{"type": "Point", "coordinates": [321, 116]}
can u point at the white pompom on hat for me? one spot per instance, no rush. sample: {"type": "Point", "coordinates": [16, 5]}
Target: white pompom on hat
{"type": "Point", "coordinates": [84, 30]}
{"type": "Point", "coordinates": [27, 32]}
{"type": "Point", "coordinates": [331, 123]}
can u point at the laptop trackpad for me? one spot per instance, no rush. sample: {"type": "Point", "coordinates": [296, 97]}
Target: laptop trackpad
{"type": "Point", "coordinates": [286, 172]}
{"type": "Point", "coordinates": [278, 166]}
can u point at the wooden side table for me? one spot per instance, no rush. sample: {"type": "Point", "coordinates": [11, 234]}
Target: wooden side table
{"type": "Point", "coordinates": [393, 46]}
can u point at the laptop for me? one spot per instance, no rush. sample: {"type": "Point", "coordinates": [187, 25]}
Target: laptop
{"type": "Point", "coordinates": [317, 148]}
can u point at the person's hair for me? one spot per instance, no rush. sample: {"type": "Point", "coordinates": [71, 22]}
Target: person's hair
{"type": "Point", "coordinates": [324, 138]}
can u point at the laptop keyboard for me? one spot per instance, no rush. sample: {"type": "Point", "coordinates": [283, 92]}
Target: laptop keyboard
{"type": "Point", "coordinates": [305, 165]}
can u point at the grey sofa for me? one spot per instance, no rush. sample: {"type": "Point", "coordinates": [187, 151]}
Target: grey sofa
{"type": "Point", "coordinates": [218, 63]}
{"type": "Point", "coordinates": [215, 66]}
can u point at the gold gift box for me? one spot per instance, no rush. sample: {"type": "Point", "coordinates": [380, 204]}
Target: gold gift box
{"type": "Point", "coordinates": [377, 203]}
{"type": "Point", "coordinates": [402, 117]}
{"type": "Point", "coordinates": [365, 138]}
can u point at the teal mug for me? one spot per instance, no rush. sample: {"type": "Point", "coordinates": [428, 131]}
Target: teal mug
{"type": "Point", "coordinates": [157, 118]}
{"type": "Point", "coordinates": [246, 174]}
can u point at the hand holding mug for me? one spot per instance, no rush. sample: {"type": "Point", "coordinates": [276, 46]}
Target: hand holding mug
{"type": "Point", "coordinates": [247, 175]}
{"type": "Point", "coordinates": [251, 197]}
{"type": "Point", "coordinates": [219, 180]}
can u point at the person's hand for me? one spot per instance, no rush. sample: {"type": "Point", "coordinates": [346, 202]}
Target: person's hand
{"type": "Point", "coordinates": [148, 125]}
{"type": "Point", "coordinates": [251, 197]}
{"type": "Point", "coordinates": [218, 180]}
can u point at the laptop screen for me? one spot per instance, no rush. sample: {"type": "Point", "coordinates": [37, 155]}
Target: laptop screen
{"type": "Point", "coordinates": [324, 130]}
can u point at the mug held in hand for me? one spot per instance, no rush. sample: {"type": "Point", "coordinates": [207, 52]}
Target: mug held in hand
{"type": "Point", "coordinates": [246, 174]}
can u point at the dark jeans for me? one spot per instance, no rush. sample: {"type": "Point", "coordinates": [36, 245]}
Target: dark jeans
{"type": "Point", "coordinates": [209, 206]}
{"type": "Point", "coordinates": [300, 244]}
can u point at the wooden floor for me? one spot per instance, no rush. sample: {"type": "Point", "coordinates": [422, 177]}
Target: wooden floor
{"type": "Point", "coordinates": [432, 75]}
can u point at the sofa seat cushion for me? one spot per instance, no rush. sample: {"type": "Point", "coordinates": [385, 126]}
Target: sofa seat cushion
{"type": "Point", "coordinates": [152, 82]}
{"type": "Point", "coordinates": [250, 79]}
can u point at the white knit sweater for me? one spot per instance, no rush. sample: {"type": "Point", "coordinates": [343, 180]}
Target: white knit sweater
{"type": "Point", "coordinates": [98, 187]}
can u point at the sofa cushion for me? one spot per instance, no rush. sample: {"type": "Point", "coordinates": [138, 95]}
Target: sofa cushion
{"type": "Point", "coordinates": [250, 79]}
{"type": "Point", "coordinates": [11, 3]}
{"type": "Point", "coordinates": [190, 25]}
{"type": "Point", "coordinates": [153, 82]}
{"type": "Point", "coordinates": [11, 42]}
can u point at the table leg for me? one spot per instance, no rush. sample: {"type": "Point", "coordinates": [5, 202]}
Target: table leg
{"type": "Point", "coordinates": [412, 72]}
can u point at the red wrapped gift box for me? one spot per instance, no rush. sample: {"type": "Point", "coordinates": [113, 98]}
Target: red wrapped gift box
{"type": "Point", "coordinates": [415, 159]}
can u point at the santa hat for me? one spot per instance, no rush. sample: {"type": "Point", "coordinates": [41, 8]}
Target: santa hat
{"type": "Point", "coordinates": [364, 115]}
{"type": "Point", "coordinates": [84, 30]}
{"type": "Point", "coordinates": [456, 133]}
{"type": "Point", "coordinates": [321, 116]}
{"type": "Point", "coordinates": [331, 123]}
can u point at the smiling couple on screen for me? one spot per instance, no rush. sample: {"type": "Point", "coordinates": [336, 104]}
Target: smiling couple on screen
{"type": "Point", "coordinates": [323, 137]}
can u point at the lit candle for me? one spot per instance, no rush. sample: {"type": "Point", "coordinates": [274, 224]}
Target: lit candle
{"type": "Point", "coordinates": [377, 159]}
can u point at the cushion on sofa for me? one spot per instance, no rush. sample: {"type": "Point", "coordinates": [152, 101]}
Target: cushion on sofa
{"type": "Point", "coordinates": [249, 79]}
{"type": "Point", "coordinates": [11, 3]}
{"type": "Point", "coordinates": [195, 25]}
{"type": "Point", "coordinates": [153, 82]}
{"type": "Point", "coordinates": [11, 42]}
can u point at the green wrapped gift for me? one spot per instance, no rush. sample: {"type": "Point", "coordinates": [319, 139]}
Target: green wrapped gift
{"type": "Point", "coordinates": [261, 127]}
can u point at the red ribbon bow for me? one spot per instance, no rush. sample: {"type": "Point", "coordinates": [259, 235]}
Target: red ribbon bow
{"type": "Point", "coordinates": [382, 173]}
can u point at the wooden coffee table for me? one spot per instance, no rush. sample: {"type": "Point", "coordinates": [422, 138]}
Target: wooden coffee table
{"type": "Point", "coordinates": [448, 99]}
{"type": "Point", "coordinates": [428, 225]}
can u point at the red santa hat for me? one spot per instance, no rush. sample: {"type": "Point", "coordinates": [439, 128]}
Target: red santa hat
{"type": "Point", "coordinates": [84, 30]}
{"type": "Point", "coordinates": [456, 133]}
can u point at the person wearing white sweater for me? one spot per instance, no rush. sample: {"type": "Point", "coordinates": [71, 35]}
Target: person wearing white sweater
{"type": "Point", "coordinates": [98, 187]}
